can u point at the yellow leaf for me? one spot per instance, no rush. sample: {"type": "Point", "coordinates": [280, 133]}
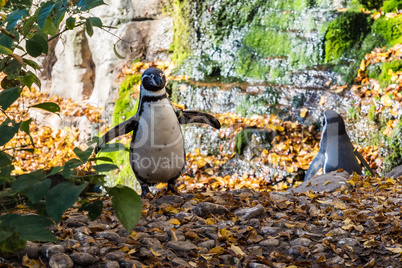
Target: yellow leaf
{"type": "Point", "coordinates": [156, 254]}
{"type": "Point", "coordinates": [217, 250]}
{"type": "Point", "coordinates": [321, 259]}
{"type": "Point", "coordinates": [290, 225]}
{"type": "Point", "coordinates": [363, 65]}
{"type": "Point", "coordinates": [132, 251]}
{"type": "Point", "coordinates": [390, 181]}
{"type": "Point", "coordinates": [325, 183]}
{"type": "Point", "coordinates": [207, 256]}
{"type": "Point", "coordinates": [210, 221]}
{"type": "Point", "coordinates": [386, 101]}
{"type": "Point", "coordinates": [351, 182]}
{"type": "Point", "coordinates": [237, 250]}
{"type": "Point", "coordinates": [395, 250]}
{"type": "Point", "coordinates": [303, 112]}
{"type": "Point", "coordinates": [174, 221]}
{"type": "Point", "coordinates": [27, 262]}
{"type": "Point", "coordinates": [124, 249]}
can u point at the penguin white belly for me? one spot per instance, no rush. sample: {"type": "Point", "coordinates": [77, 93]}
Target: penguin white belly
{"type": "Point", "coordinates": [158, 147]}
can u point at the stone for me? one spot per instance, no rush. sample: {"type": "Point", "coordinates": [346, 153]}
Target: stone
{"type": "Point", "coordinates": [144, 253]}
{"type": "Point", "coordinates": [114, 255]}
{"type": "Point", "coordinates": [179, 262]}
{"type": "Point", "coordinates": [395, 172]}
{"type": "Point", "coordinates": [348, 241]}
{"type": "Point", "coordinates": [82, 238]}
{"type": "Point", "coordinates": [61, 260]}
{"type": "Point", "coordinates": [32, 249]}
{"type": "Point", "coordinates": [270, 242]}
{"type": "Point", "coordinates": [273, 231]}
{"type": "Point", "coordinates": [77, 221]}
{"type": "Point", "coordinates": [161, 225]}
{"type": "Point", "coordinates": [207, 244]}
{"type": "Point", "coordinates": [251, 213]}
{"type": "Point", "coordinates": [142, 10]}
{"type": "Point", "coordinates": [170, 199]}
{"type": "Point", "coordinates": [328, 182]}
{"type": "Point", "coordinates": [48, 250]}
{"type": "Point", "coordinates": [112, 264]}
{"type": "Point", "coordinates": [295, 250]}
{"type": "Point", "coordinates": [82, 258]}
{"type": "Point", "coordinates": [302, 241]}
{"type": "Point", "coordinates": [131, 264]}
{"type": "Point", "coordinates": [91, 250]}
{"type": "Point", "coordinates": [257, 265]}
{"type": "Point", "coordinates": [109, 235]}
{"type": "Point", "coordinates": [152, 242]}
{"type": "Point", "coordinates": [206, 208]}
{"type": "Point", "coordinates": [181, 246]}
{"type": "Point", "coordinates": [70, 243]}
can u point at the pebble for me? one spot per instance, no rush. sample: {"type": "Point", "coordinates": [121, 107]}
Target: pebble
{"type": "Point", "coordinates": [115, 255]}
{"type": "Point", "coordinates": [77, 221]}
{"type": "Point", "coordinates": [257, 265]}
{"type": "Point", "coordinates": [180, 262]}
{"type": "Point", "coordinates": [82, 258]}
{"type": "Point", "coordinates": [206, 208]}
{"type": "Point", "coordinates": [109, 235]}
{"type": "Point", "coordinates": [112, 264]}
{"type": "Point", "coordinates": [161, 225]}
{"type": "Point", "coordinates": [48, 250]}
{"type": "Point", "coordinates": [152, 242]}
{"type": "Point", "coordinates": [61, 260]}
{"type": "Point", "coordinates": [251, 213]}
{"type": "Point", "coordinates": [348, 241]}
{"type": "Point", "coordinates": [181, 246]}
{"type": "Point", "coordinates": [207, 244]}
{"type": "Point", "coordinates": [274, 231]}
{"type": "Point", "coordinates": [302, 241]}
{"type": "Point", "coordinates": [90, 250]}
{"type": "Point", "coordinates": [170, 199]}
{"type": "Point", "coordinates": [270, 242]}
{"type": "Point", "coordinates": [32, 249]}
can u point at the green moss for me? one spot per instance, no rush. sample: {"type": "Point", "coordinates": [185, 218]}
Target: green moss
{"type": "Point", "coordinates": [126, 106]}
{"type": "Point", "coordinates": [264, 103]}
{"type": "Point", "coordinates": [242, 140]}
{"type": "Point", "coordinates": [372, 114]}
{"type": "Point", "coordinates": [394, 148]}
{"type": "Point", "coordinates": [353, 113]}
{"type": "Point", "coordinates": [371, 4]}
{"type": "Point", "coordinates": [392, 5]}
{"type": "Point", "coordinates": [345, 32]}
{"type": "Point", "coordinates": [390, 29]}
{"type": "Point", "coordinates": [380, 71]}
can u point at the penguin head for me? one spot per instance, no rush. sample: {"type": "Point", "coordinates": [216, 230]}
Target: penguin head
{"type": "Point", "coordinates": [153, 79]}
{"type": "Point", "coordinates": [335, 122]}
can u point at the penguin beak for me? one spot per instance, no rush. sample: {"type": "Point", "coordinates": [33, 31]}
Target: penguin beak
{"type": "Point", "coordinates": [156, 81]}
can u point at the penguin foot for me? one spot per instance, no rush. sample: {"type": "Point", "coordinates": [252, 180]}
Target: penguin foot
{"type": "Point", "coordinates": [144, 190]}
{"type": "Point", "coordinates": [171, 188]}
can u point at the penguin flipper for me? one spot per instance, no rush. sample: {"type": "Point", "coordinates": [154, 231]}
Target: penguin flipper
{"type": "Point", "coordinates": [315, 166]}
{"type": "Point", "coordinates": [364, 162]}
{"type": "Point", "coordinates": [118, 130]}
{"type": "Point", "coordinates": [189, 117]}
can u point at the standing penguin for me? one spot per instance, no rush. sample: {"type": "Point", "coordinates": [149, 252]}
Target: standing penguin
{"type": "Point", "coordinates": [157, 147]}
{"type": "Point", "coordinates": [336, 150]}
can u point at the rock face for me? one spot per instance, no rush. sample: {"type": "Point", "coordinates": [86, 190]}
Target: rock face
{"type": "Point", "coordinates": [86, 68]}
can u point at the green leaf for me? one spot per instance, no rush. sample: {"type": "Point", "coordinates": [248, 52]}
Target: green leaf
{"type": "Point", "coordinates": [4, 180]}
{"type": "Point", "coordinates": [49, 27]}
{"type": "Point", "coordinates": [83, 155]}
{"type": "Point", "coordinates": [96, 22]}
{"type": "Point", "coordinates": [47, 106]}
{"type": "Point", "coordinates": [70, 164]}
{"type": "Point", "coordinates": [12, 243]}
{"type": "Point", "coordinates": [55, 170]}
{"type": "Point", "coordinates": [32, 64]}
{"type": "Point", "coordinates": [26, 181]}
{"type": "Point", "coordinates": [8, 132]}
{"type": "Point", "coordinates": [70, 23]}
{"type": "Point", "coordinates": [13, 69]}
{"type": "Point", "coordinates": [13, 18]}
{"type": "Point", "coordinates": [117, 53]}
{"type": "Point", "coordinates": [59, 16]}
{"type": "Point", "coordinates": [6, 41]}
{"type": "Point", "coordinates": [37, 45]}
{"type": "Point", "coordinates": [38, 190]}
{"type": "Point", "coordinates": [28, 25]}
{"type": "Point", "coordinates": [61, 197]}
{"type": "Point", "coordinates": [5, 50]}
{"type": "Point", "coordinates": [105, 167]}
{"type": "Point", "coordinates": [85, 5]}
{"type": "Point", "coordinates": [4, 235]}
{"type": "Point", "coordinates": [102, 158]}
{"type": "Point", "coordinates": [127, 204]}
{"type": "Point", "coordinates": [29, 227]}
{"type": "Point", "coordinates": [88, 27]}
{"type": "Point", "coordinates": [9, 96]}
{"type": "Point", "coordinates": [6, 166]}
{"type": "Point", "coordinates": [114, 147]}
{"type": "Point", "coordinates": [25, 125]}
{"type": "Point", "coordinates": [44, 12]}
{"type": "Point", "coordinates": [94, 209]}
{"type": "Point", "coordinates": [29, 79]}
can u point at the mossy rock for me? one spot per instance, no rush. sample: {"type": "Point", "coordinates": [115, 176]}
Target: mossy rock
{"type": "Point", "coordinates": [380, 71]}
{"type": "Point", "coordinates": [371, 4]}
{"type": "Point", "coordinates": [246, 137]}
{"type": "Point", "coordinates": [390, 29]}
{"type": "Point", "coordinates": [394, 148]}
{"type": "Point", "coordinates": [345, 32]}
{"type": "Point", "coordinates": [391, 5]}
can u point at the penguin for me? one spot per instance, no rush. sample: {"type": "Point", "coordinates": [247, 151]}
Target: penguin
{"type": "Point", "coordinates": [336, 149]}
{"type": "Point", "coordinates": [157, 146]}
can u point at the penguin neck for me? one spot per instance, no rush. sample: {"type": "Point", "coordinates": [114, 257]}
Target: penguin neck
{"type": "Point", "coordinates": [148, 93]}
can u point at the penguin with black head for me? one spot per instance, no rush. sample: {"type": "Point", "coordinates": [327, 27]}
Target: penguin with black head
{"type": "Point", "coordinates": [157, 146]}
{"type": "Point", "coordinates": [336, 149]}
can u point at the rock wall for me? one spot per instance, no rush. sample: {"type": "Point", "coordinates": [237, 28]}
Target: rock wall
{"type": "Point", "coordinates": [84, 68]}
